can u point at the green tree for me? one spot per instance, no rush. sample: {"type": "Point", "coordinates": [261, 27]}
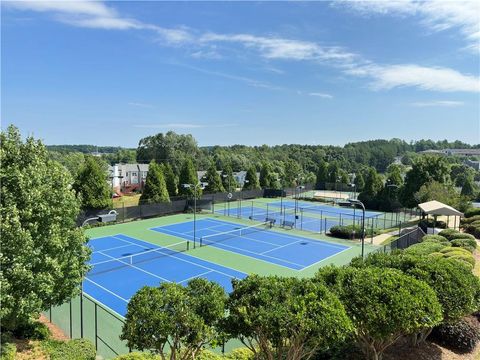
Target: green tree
{"type": "Point", "coordinates": [251, 180]}
{"type": "Point", "coordinates": [155, 190]}
{"type": "Point", "coordinates": [456, 287]}
{"type": "Point", "coordinates": [333, 172]}
{"type": "Point", "coordinates": [228, 180]}
{"type": "Point", "coordinates": [437, 191]}
{"type": "Point", "coordinates": [170, 147]}
{"type": "Point", "coordinates": [425, 169]}
{"type": "Point", "coordinates": [213, 179]}
{"type": "Point", "coordinates": [43, 253]}
{"type": "Point", "coordinates": [92, 184]}
{"type": "Point", "coordinates": [469, 189]}
{"type": "Point", "coordinates": [170, 179]}
{"type": "Point", "coordinates": [359, 181]}
{"type": "Point", "coordinates": [394, 175]}
{"type": "Point", "coordinates": [322, 175]}
{"type": "Point", "coordinates": [384, 305]}
{"type": "Point", "coordinates": [73, 161]}
{"type": "Point", "coordinates": [188, 176]}
{"type": "Point", "coordinates": [267, 177]}
{"type": "Point", "coordinates": [294, 174]}
{"type": "Point", "coordinates": [175, 319]}
{"type": "Point", "coordinates": [285, 318]}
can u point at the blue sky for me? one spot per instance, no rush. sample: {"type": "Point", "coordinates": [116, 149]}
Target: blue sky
{"type": "Point", "coordinates": [110, 73]}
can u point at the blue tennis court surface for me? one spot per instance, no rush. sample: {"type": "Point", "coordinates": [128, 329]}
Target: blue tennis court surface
{"type": "Point", "coordinates": [294, 252]}
{"type": "Point", "coordinates": [304, 222]}
{"type": "Point", "coordinates": [114, 278]}
{"type": "Point", "coordinates": [327, 209]}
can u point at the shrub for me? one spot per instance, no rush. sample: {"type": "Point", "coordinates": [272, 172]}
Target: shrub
{"type": "Point", "coordinates": [240, 354]}
{"type": "Point", "coordinates": [77, 349]}
{"type": "Point", "coordinates": [448, 233]}
{"type": "Point", "coordinates": [461, 257]}
{"type": "Point", "coordinates": [455, 251]}
{"type": "Point", "coordinates": [32, 330]}
{"type": "Point", "coordinates": [208, 355]}
{"type": "Point", "coordinates": [467, 244]}
{"type": "Point", "coordinates": [435, 239]}
{"type": "Point", "coordinates": [345, 232]}
{"type": "Point", "coordinates": [462, 236]}
{"type": "Point", "coordinates": [138, 356]}
{"type": "Point", "coordinates": [470, 219]}
{"type": "Point", "coordinates": [384, 304]}
{"type": "Point", "coordinates": [472, 212]}
{"type": "Point", "coordinates": [8, 349]}
{"type": "Point", "coordinates": [424, 248]}
{"type": "Point", "coordinates": [473, 229]}
{"type": "Point", "coordinates": [461, 336]}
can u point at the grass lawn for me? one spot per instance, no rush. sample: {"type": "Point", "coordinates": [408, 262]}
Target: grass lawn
{"type": "Point", "coordinates": [126, 201]}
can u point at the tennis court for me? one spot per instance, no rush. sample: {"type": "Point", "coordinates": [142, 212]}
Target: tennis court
{"type": "Point", "coordinates": [121, 265]}
{"type": "Point", "coordinates": [291, 251]}
{"type": "Point", "coordinates": [326, 209]}
{"type": "Point", "coordinates": [303, 222]}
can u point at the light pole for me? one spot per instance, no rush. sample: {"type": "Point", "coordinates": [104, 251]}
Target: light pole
{"type": "Point", "coordinates": [355, 202]}
{"type": "Point", "coordinates": [195, 189]}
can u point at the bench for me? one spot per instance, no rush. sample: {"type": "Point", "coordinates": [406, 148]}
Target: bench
{"type": "Point", "coordinates": [289, 224]}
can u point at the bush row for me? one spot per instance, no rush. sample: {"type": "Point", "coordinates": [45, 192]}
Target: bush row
{"type": "Point", "coordinates": [367, 305]}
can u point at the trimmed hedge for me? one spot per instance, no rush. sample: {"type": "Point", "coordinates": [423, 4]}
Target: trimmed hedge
{"type": "Point", "coordinates": [462, 236]}
{"type": "Point", "coordinates": [473, 229]}
{"type": "Point", "coordinates": [448, 233]}
{"type": "Point", "coordinates": [467, 244]}
{"type": "Point", "coordinates": [435, 239]}
{"type": "Point", "coordinates": [240, 354]}
{"type": "Point", "coordinates": [345, 231]}
{"type": "Point", "coordinates": [77, 349]}
{"type": "Point", "coordinates": [470, 219]}
{"type": "Point", "coordinates": [138, 356]}
{"type": "Point", "coordinates": [424, 248]}
{"type": "Point", "coordinates": [461, 336]}
{"type": "Point", "coordinates": [472, 212]}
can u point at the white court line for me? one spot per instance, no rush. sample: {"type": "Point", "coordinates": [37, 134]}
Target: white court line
{"type": "Point", "coordinates": [195, 276]}
{"type": "Point", "coordinates": [328, 257]}
{"type": "Point", "coordinates": [199, 265]}
{"type": "Point", "coordinates": [103, 288]}
{"type": "Point", "coordinates": [113, 248]}
{"type": "Point", "coordinates": [296, 242]}
{"type": "Point", "coordinates": [135, 267]}
{"type": "Point", "coordinates": [255, 253]}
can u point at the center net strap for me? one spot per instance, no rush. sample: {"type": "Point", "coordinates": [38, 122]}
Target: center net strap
{"type": "Point", "coordinates": [215, 238]}
{"type": "Point", "coordinates": [138, 258]}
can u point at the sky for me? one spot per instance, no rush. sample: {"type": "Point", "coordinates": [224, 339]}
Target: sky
{"type": "Point", "coordinates": [110, 73]}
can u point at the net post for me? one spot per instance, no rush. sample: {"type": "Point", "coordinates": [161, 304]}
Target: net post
{"type": "Point", "coordinates": [81, 311]}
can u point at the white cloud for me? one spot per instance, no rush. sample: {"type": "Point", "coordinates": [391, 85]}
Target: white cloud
{"type": "Point", "coordinates": [140, 104]}
{"type": "Point", "coordinates": [434, 15]}
{"type": "Point", "coordinates": [321, 95]}
{"type": "Point", "coordinates": [411, 75]}
{"type": "Point", "coordinates": [436, 103]}
{"type": "Point", "coordinates": [183, 126]}
{"type": "Point", "coordinates": [280, 48]}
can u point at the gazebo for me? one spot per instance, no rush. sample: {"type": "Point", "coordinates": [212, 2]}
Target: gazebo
{"type": "Point", "coordinates": [437, 208]}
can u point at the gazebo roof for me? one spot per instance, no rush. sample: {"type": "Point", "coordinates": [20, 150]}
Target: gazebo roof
{"type": "Point", "coordinates": [435, 207]}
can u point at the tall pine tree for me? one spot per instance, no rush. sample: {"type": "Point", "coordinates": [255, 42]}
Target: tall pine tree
{"type": "Point", "coordinates": [228, 180]}
{"type": "Point", "coordinates": [322, 175]}
{"type": "Point", "coordinates": [188, 176]}
{"type": "Point", "coordinates": [155, 190]}
{"type": "Point", "coordinates": [213, 179]}
{"type": "Point", "coordinates": [92, 184]}
{"type": "Point", "coordinates": [170, 179]}
{"type": "Point", "coordinates": [251, 179]}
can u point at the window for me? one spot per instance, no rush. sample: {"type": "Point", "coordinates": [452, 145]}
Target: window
{"type": "Point", "coordinates": [134, 174]}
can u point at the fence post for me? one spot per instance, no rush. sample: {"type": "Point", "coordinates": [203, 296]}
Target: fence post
{"type": "Point", "coordinates": [71, 320]}
{"type": "Point", "coordinates": [301, 219]}
{"type": "Point", "coordinates": [96, 327]}
{"type": "Point", "coordinates": [340, 219]}
{"type": "Point", "coordinates": [81, 312]}
{"type": "Point", "coordinates": [325, 229]}
{"type": "Point", "coordinates": [50, 314]}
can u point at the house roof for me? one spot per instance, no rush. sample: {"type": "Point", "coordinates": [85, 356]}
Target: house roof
{"type": "Point", "coordinates": [435, 207]}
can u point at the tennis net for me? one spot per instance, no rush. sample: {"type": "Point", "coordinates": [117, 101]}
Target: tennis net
{"type": "Point", "coordinates": [215, 238]}
{"type": "Point", "coordinates": [116, 263]}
